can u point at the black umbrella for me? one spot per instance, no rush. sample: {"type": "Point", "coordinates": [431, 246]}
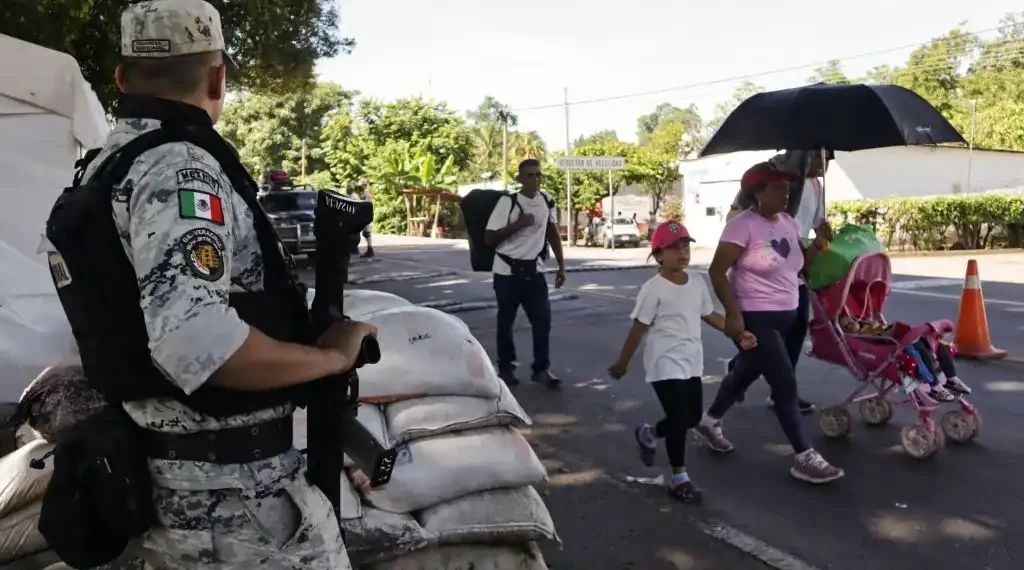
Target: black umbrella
{"type": "Point", "coordinates": [832, 117]}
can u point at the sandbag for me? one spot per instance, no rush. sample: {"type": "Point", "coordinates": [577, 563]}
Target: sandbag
{"type": "Point", "coordinates": [425, 352]}
{"type": "Point", "coordinates": [849, 243]}
{"type": "Point", "coordinates": [19, 535]}
{"type": "Point", "coordinates": [371, 416]}
{"type": "Point", "coordinates": [469, 557]}
{"type": "Point", "coordinates": [437, 469]}
{"type": "Point", "coordinates": [380, 535]}
{"type": "Point", "coordinates": [59, 398]}
{"type": "Point", "coordinates": [20, 484]}
{"type": "Point", "coordinates": [500, 516]}
{"type": "Point", "coordinates": [361, 303]}
{"type": "Point", "coordinates": [438, 415]}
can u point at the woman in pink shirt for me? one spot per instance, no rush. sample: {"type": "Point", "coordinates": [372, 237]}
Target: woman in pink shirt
{"type": "Point", "coordinates": [756, 274]}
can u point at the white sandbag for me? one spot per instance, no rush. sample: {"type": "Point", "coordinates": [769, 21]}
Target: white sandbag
{"type": "Point", "coordinates": [469, 557]}
{"type": "Point", "coordinates": [19, 535]}
{"type": "Point", "coordinates": [380, 535]}
{"type": "Point", "coordinates": [361, 303]}
{"type": "Point", "coordinates": [437, 415]}
{"type": "Point", "coordinates": [20, 484]}
{"type": "Point", "coordinates": [25, 435]}
{"type": "Point", "coordinates": [500, 516]}
{"type": "Point", "coordinates": [425, 352]}
{"type": "Point", "coordinates": [350, 506]}
{"type": "Point", "coordinates": [437, 469]}
{"type": "Point", "coordinates": [371, 416]}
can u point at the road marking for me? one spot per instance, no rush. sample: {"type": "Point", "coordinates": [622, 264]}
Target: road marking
{"type": "Point", "coordinates": [925, 283]}
{"type": "Point", "coordinates": [773, 557]}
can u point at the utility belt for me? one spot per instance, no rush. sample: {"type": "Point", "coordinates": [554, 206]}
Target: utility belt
{"type": "Point", "coordinates": [243, 444]}
{"type": "Point", "coordinates": [521, 268]}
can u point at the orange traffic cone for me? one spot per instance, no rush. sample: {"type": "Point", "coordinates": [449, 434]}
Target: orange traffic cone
{"type": "Point", "coordinates": [971, 336]}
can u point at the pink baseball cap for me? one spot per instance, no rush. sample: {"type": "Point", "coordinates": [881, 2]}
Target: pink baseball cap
{"type": "Point", "coordinates": [668, 233]}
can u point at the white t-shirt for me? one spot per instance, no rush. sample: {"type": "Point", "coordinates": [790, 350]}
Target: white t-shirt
{"type": "Point", "coordinates": [528, 242]}
{"type": "Point", "coordinates": [811, 211]}
{"type": "Point", "coordinates": [673, 347]}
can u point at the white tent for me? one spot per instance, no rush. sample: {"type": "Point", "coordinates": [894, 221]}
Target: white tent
{"type": "Point", "coordinates": [48, 116]}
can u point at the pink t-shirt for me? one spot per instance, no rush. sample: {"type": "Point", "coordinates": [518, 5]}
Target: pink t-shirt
{"type": "Point", "coordinates": [766, 277]}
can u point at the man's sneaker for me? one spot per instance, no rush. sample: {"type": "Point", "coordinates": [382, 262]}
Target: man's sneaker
{"type": "Point", "coordinates": [509, 377]}
{"type": "Point", "coordinates": [802, 405]}
{"type": "Point", "coordinates": [548, 379]}
{"type": "Point", "coordinates": [957, 385]}
{"type": "Point", "coordinates": [369, 253]}
{"type": "Point", "coordinates": [811, 467]}
{"type": "Point", "coordinates": [643, 441]}
{"type": "Point", "coordinates": [686, 492]}
{"type": "Point", "coordinates": [712, 435]}
{"type": "Point", "coordinates": [940, 393]}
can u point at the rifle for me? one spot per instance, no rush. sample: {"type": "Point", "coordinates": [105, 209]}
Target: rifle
{"type": "Point", "coordinates": [331, 423]}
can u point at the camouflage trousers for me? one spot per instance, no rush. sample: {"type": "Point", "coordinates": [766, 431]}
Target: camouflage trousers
{"type": "Point", "coordinates": [290, 526]}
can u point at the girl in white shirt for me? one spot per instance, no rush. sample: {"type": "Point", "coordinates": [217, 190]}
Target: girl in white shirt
{"type": "Point", "coordinates": [669, 310]}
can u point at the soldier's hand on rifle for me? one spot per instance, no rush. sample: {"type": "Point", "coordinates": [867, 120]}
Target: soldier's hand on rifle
{"type": "Point", "coordinates": [347, 337]}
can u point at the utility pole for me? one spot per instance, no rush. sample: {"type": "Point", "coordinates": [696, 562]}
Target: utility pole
{"type": "Point", "coordinates": [570, 225]}
{"type": "Point", "coordinates": [970, 143]}
{"type": "Point", "coordinates": [303, 165]}
{"type": "Point", "coordinates": [503, 116]}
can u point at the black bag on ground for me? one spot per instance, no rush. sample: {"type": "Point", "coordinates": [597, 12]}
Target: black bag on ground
{"type": "Point", "coordinates": [476, 208]}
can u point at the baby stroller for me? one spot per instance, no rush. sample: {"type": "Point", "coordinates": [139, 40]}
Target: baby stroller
{"type": "Point", "coordinates": [886, 373]}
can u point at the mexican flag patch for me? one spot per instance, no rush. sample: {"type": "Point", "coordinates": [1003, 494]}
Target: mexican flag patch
{"type": "Point", "coordinates": [200, 205]}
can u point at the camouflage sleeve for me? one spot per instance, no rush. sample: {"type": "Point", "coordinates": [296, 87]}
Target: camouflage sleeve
{"type": "Point", "coordinates": [180, 234]}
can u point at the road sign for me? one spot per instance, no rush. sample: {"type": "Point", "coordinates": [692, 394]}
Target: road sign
{"type": "Point", "coordinates": [590, 163]}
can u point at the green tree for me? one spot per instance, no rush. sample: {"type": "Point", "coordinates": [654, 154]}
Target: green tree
{"type": "Point", "coordinates": [667, 114]}
{"type": "Point", "coordinates": [993, 90]}
{"type": "Point", "coordinates": [489, 112]}
{"type": "Point", "coordinates": [606, 136]}
{"type": "Point", "coordinates": [279, 131]}
{"type": "Point", "coordinates": [831, 72]}
{"type": "Point", "coordinates": [881, 75]}
{"type": "Point", "coordinates": [275, 42]}
{"type": "Point", "coordinates": [742, 92]}
{"type": "Point", "coordinates": [933, 70]}
{"type": "Point", "coordinates": [407, 143]}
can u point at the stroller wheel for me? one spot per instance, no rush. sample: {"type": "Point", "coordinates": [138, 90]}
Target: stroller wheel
{"type": "Point", "coordinates": [875, 411]}
{"type": "Point", "coordinates": [921, 441]}
{"type": "Point", "coordinates": [960, 426]}
{"type": "Point", "coordinates": [835, 422]}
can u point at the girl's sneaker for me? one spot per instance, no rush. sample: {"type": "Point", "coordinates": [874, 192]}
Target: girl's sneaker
{"type": "Point", "coordinates": [645, 441]}
{"type": "Point", "coordinates": [811, 467]}
{"type": "Point", "coordinates": [957, 385]}
{"type": "Point", "coordinates": [939, 393]}
{"type": "Point", "coordinates": [710, 430]}
{"type": "Point", "coordinates": [686, 492]}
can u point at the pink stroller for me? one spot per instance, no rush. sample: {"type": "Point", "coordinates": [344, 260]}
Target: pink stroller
{"type": "Point", "coordinates": [886, 372]}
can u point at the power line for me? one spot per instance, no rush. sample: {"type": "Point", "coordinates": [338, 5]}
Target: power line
{"type": "Point", "coordinates": [750, 76]}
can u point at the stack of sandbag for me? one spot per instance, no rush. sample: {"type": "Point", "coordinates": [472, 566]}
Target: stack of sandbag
{"type": "Point", "coordinates": [462, 494]}
{"type": "Point", "coordinates": [24, 475]}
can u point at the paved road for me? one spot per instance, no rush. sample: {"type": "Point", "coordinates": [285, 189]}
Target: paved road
{"type": "Point", "coordinates": [959, 510]}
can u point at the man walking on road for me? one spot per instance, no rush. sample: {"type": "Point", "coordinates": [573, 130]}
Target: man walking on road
{"type": "Point", "coordinates": [520, 229]}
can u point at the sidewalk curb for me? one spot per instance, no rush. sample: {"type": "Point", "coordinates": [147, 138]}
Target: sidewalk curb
{"type": "Point", "coordinates": [953, 253]}
{"type": "Point", "coordinates": [453, 306]}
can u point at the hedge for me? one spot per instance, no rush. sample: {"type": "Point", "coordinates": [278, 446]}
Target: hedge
{"type": "Point", "coordinates": [948, 222]}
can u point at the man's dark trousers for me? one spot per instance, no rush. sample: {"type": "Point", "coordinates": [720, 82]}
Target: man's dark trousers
{"type": "Point", "coordinates": [532, 294]}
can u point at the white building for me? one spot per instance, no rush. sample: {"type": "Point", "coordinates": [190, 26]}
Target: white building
{"type": "Point", "coordinates": [711, 183]}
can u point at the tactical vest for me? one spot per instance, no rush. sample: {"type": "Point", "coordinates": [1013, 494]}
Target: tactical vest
{"type": "Point", "coordinates": [98, 289]}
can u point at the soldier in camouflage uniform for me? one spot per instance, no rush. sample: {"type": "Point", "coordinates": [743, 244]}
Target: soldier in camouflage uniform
{"type": "Point", "coordinates": [191, 240]}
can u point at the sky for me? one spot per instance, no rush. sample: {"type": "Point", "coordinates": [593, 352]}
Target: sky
{"type": "Point", "coordinates": [527, 53]}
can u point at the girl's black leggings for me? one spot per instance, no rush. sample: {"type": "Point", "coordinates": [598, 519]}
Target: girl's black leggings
{"type": "Point", "coordinates": [683, 403]}
{"type": "Point", "coordinates": [942, 353]}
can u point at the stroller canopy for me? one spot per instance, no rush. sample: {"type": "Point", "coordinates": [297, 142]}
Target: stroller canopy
{"type": "Point", "coordinates": [864, 290]}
